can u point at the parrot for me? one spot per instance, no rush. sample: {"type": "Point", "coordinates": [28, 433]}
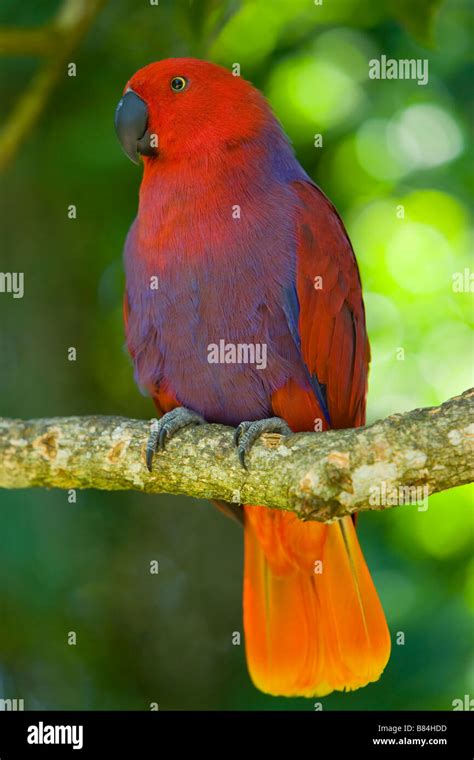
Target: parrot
{"type": "Point", "coordinates": [245, 250]}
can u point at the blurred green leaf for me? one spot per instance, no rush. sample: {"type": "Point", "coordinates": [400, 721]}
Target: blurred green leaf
{"type": "Point", "coordinates": [417, 16]}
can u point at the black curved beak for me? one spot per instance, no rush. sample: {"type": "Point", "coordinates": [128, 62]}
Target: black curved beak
{"type": "Point", "coordinates": [131, 121]}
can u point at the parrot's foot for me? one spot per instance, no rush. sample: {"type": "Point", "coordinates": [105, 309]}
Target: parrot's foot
{"type": "Point", "coordinates": [168, 425]}
{"type": "Point", "coordinates": [247, 433]}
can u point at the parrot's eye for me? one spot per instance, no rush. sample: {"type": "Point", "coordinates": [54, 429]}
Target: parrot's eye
{"type": "Point", "coordinates": [178, 83]}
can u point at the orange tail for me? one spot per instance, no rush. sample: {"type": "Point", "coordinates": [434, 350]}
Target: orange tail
{"type": "Point", "coordinates": [313, 621]}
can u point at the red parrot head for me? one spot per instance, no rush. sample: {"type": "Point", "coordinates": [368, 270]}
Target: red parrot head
{"type": "Point", "coordinates": [178, 107]}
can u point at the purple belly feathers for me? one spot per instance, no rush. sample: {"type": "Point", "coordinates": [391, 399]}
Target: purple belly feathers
{"type": "Point", "coordinates": [206, 284]}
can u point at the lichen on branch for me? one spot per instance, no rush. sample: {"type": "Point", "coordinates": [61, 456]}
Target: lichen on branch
{"type": "Point", "coordinates": [319, 476]}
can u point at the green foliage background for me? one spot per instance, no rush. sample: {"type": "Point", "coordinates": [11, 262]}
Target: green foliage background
{"type": "Point", "coordinates": [84, 567]}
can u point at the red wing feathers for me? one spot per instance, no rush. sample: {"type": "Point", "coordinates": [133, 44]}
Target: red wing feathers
{"type": "Point", "coordinates": [334, 341]}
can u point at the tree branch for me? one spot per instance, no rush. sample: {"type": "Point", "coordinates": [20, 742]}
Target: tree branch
{"type": "Point", "coordinates": [20, 41]}
{"type": "Point", "coordinates": [57, 41]}
{"type": "Point", "coordinates": [319, 476]}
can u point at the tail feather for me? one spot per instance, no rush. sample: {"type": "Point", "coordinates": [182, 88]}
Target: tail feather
{"type": "Point", "coordinates": [313, 620]}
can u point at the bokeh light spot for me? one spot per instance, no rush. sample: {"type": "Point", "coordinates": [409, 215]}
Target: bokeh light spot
{"type": "Point", "coordinates": [419, 258]}
{"type": "Point", "coordinates": [426, 135]}
{"type": "Point", "coordinates": [306, 92]}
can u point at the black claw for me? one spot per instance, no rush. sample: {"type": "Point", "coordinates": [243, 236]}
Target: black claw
{"type": "Point", "coordinates": [247, 433]}
{"type": "Point", "coordinates": [236, 435]}
{"type": "Point", "coordinates": [164, 428]}
{"type": "Point", "coordinates": [162, 438]}
{"type": "Point", "coordinates": [239, 432]}
{"type": "Point", "coordinates": [151, 446]}
{"type": "Point", "coordinates": [242, 458]}
{"type": "Point", "coordinates": [149, 458]}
